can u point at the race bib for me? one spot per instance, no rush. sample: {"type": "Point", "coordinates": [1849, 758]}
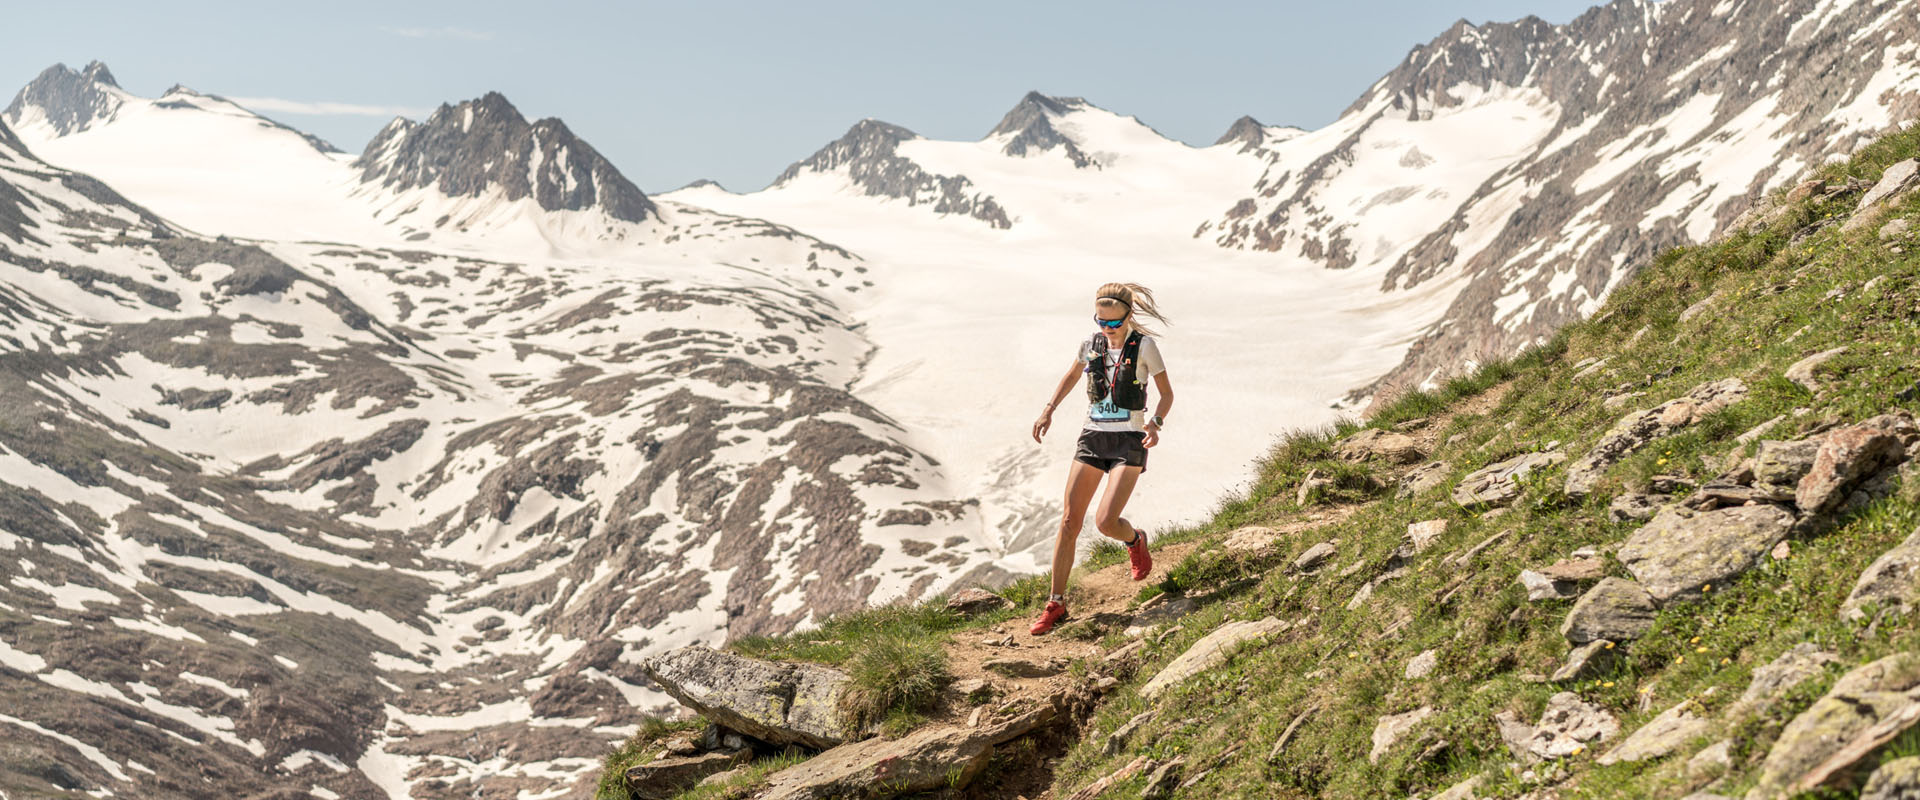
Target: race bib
{"type": "Point", "coordinates": [1106, 411]}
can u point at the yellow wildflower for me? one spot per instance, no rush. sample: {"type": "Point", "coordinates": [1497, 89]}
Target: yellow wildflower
{"type": "Point", "coordinates": [1607, 685]}
{"type": "Point", "coordinates": [1699, 649]}
{"type": "Point", "coordinates": [1680, 660]}
{"type": "Point", "coordinates": [1694, 640]}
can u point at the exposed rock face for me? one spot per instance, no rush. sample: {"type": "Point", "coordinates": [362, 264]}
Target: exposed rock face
{"type": "Point", "coordinates": [779, 703]}
{"type": "Point", "coordinates": [1614, 609]}
{"type": "Point", "coordinates": [1496, 484]}
{"type": "Point", "coordinates": [1566, 727]}
{"type": "Point", "coordinates": [1857, 700]}
{"type": "Point", "coordinates": [1587, 661]}
{"type": "Point", "coordinates": [1790, 669]}
{"type": "Point", "coordinates": [1547, 227]}
{"type": "Point", "coordinates": [484, 146]}
{"type": "Point", "coordinates": [975, 601]}
{"type": "Point", "coordinates": [1681, 552]}
{"type": "Point", "coordinates": [1894, 182]}
{"type": "Point", "coordinates": [1635, 430]}
{"type": "Point", "coordinates": [1313, 557]}
{"type": "Point", "coordinates": [668, 777]}
{"type": "Point", "coordinates": [1029, 129]}
{"type": "Point", "coordinates": [1891, 581]}
{"type": "Point", "coordinates": [1424, 477]}
{"type": "Point", "coordinates": [868, 155]}
{"type": "Point", "coordinates": [1802, 371]}
{"type": "Point", "coordinates": [67, 101]}
{"type": "Point", "coordinates": [1211, 651]}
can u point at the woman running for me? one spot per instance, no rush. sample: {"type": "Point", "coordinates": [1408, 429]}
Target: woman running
{"type": "Point", "coordinates": [1117, 361]}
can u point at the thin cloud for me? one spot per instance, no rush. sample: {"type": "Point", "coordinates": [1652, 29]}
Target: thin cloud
{"type": "Point", "coordinates": [284, 106]}
{"type": "Point", "coordinates": [462, 34]}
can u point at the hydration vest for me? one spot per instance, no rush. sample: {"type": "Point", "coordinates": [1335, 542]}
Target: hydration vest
{"type": "Point", "coordinates": [1131, 392]}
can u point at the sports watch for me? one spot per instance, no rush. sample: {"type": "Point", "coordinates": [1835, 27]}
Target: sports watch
{"type": "Point", "coordinates": [1158, 421]}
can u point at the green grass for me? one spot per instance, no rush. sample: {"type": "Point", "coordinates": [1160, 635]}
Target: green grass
{"type": "Point", "coordinates": [893, 678]}
{"type": "Point", "coordinates": [636, 750]}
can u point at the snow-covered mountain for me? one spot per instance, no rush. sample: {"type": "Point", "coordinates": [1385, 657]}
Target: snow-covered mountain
{"type": "Point", "coordinates": [1523, 169]}
{"type": "Point", "coordinates": [399, 522]}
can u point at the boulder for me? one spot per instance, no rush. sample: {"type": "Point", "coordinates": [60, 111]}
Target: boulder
{"type": "Point", "coordinates": [1540, 587]}
{"type": "Point", "coordinates": [774, 702]}
{"type": "Point", "coordinates": [1515, 733]}
{"type": "Point", "coordinates": [1117, 741]}
{"type": "Point", "coordinates": [1790, 669]}
{"type": "Point", "coordinates": [1635, 430]}
{"type": "Point", "coordinates": [1614, 609]}
{"type": "Point", "coordinates": [1801, 372]}
{"type": "Point", "coordinates": [1892, 580]}
{"type": "Point", "coordinates": [1421, 535]}
{"type": "Point", "coordinates": [1211, 651]}
{"type": "Point", "coordinates": [1587, 568]}
{"type": "Point", "coordinates": [1681, 553]}
{"type": "Point", "coordinates": [1712, 761]}
{"type": "Point", "coordinates": [1496, 484]}
{"type": "Point", "coordinates": [1898, 779]}
{"type": "Point", "coordinates": [1314, 557]}
{"type": "Point", "coordinates": [933, 757]}
{"type": "Point", "coordinates": [1422, 665]}
{"type": "Point", "coordinates": [1376, 444]}
{"type": "Point", "coordinates": [1424, 477]}
{"type": "Point", "coordinates": [974, 602]}
{"type": "Point", "coordinates": [1392, 728]}
{"type": "Point", "coordinates": [1589, 660]}
{"type": "Point", "coordinates": [1895, 229]}
{"type": "Point", "coordinates": [1895, 181]}
{"type": "Point", "coordinates": [1567, 725]}
{"type": "Point", "coordinates": [1857, 700]}
{"type": "Point", "coordinates": [1660, 736]}
{"type": "Point", "coordinates": [1849, 454]}
{"type": "Point", "coordinates": [668, 777]}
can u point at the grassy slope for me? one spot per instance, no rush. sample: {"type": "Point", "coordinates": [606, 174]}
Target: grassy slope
{"type": "Point", "coordinates": [1780, 300]}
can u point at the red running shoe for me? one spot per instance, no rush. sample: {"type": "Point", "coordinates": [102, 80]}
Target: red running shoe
{"type": "Point", "coordinates": [1138, 556]}
{"type": "Point", "coordinates": [1049, 618]}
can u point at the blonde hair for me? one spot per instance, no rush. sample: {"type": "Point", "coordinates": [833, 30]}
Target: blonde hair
{"type": "Point", "coordinates": [1134, 298]}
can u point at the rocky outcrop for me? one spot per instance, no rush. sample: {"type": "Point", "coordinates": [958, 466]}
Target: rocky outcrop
{"type": "Point", "coordinates": [668, 777]}
{"type": "Point", "coordinates": [1210, 651]}
{"type": "Point", "coordinates": [868, 154]}
{"type": "Point", "coordinates": [1635, 430]}
{"type": "Point", "coordinates": [1851, 454]}
{"type": "Point", "coordinates": [1898, 779]}
{"type": "Point", "coordinates": [484, 146]}
{"type": "Point", "coordinates": [1498, 484]}
{"type": "Point", "coordinates": [1682, 553]}
{"type": "Point", "coordinates": [1424, 477]}
{"type": "Point", "coordinates": [1377, 444]}
{"type": "Point", "coordinates": [1567, 727]}
{"type": "Point", "coordinates": [1776, 677]}
{"type": "Point", "coordinates": [1896, 181]}
{"type": "Point", "coordinates": [1029, 128]}
{"type": "Point", "coordinates": [66, 101]}
{"type": "Point", "coordinates": [775, 702]}
{"type": "Point", "coordinates": [1394, 727]}
{"type": "Point", "coordinates": [973, 602]}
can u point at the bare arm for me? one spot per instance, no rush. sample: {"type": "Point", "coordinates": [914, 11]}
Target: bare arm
{"type": "Point", "coordinates": [1161, 408]}
{"type": "Point", "coordinates": [1059, 393]}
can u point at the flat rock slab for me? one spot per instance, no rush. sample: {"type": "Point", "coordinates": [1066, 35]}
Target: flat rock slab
{"type": "Point", "coordinates": [1313, 557]}
{"type": "Point", "coordinates": [1635, 430]}
{"type": "Point", "coordinates": [930, 758]}
{"type": "Point", "coordinates": [1421, 535]}
{"type": "Point", "coordinates": [974, 602]}
{"type": "Point", "coordinates": [1614, 609]}
{"type": "Point", "coordinates": [1790, 669]}
{"type": "Point", "coordinates": [1211, 651]}
{"type": "Point", "coordinates": [1025, 668]}
{"type": "Point", "coordinates": [1660, 736]}
{"type": "Point", "coordinates": [774, 702]}
{"type": "Point", "coordinates": [1801, 372]}
{"type": "Point", "coordinates": [1892, 580]}
{"type": "Point", "coordinates": [1681, 552]}
{"type": "Point", "coordinates": [1541, 587]}
{"type": "Point", "coordinates": [1392, 728]}
{"type": "Point", "coordinates": [668, 777]}
{"type": "Point", "coordinates": [1589, 660]}
{"type": "Point", "coordinates": [1495, 484]}
{"type": "Point", "coordinates": [1422, 665]}
{"type": "Point", "coordinates": [1424, 477]}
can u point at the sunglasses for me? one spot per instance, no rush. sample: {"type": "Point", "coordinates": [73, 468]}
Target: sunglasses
{"type": "Point", "coordinates": [1109, 323]}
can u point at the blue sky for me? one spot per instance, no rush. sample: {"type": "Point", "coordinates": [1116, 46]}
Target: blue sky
{"type": "Point", "coordinates": [735, 91]}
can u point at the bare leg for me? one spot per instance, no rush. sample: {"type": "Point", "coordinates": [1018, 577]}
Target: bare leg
{"type": "Point", "coordinates": [1119, 487]}
{"type": "Point", "coordinates": [1082, 480]}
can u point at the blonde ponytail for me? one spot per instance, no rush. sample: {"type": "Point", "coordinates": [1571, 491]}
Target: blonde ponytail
{"type": "Point", "coordinates": [1135, 298]}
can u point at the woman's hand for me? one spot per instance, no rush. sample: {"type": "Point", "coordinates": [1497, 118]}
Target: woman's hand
{"type": "Point", "coordinates": [1041, 425]}
{"type": "Point", "coordinates": [1152, 437]}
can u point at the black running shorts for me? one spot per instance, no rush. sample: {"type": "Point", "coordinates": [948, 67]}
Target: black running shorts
{"type": "Point", "coordinates": [1105, 450]}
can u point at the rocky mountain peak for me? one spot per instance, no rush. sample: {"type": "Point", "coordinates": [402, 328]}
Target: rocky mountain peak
{"type": "Point", "coordinates": [867, 153]}
{"type": "Point", "coordinates": [1029, 127]}
{"type": "Point", "coordinates": [1465, 55]}
{"type": "Point", "coordinates": [486, 145]}
{"type": "Point", "coordinates": [1245, 130]}
{"type": "Point", "coordinates": [68, 101]}
{"type": "Point", "coordinates": [867, 140]}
